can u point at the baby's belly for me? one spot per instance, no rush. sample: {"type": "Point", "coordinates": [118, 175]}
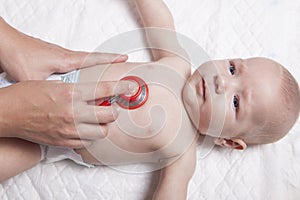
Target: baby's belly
{"type": "Point", "coordinates": [108, 152]}
{"type": "Point", "coordinates": [141, 135]}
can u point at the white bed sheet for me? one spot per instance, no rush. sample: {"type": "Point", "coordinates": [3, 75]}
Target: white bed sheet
{"type": "Point", "coordinates": [224, 28]}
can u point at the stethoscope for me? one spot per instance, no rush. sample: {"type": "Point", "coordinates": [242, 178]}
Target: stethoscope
{"type": "Point", "coordinates": [130, 101]}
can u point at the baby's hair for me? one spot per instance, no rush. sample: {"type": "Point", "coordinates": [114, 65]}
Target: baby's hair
{"type": "Point", "coordinates": [278, 125]}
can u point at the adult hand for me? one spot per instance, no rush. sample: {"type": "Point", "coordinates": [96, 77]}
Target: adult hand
{"type": "Point", "coordinates": [54, 113]}
{"type": "Point", "coordinates": [27, 58]}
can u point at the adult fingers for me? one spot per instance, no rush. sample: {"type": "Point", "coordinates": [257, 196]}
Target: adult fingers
{"type": "Point", "coordinates": [93, 90]}
{"type": "Point", "coordinates": [106, 114]}
{"type": "Point", "coordinates": [96, 114]}
{"type": "Point", "coordinates": [71, 60]}
{"type": "Point", "coordinates": [91, 59]}
{"type": "Point", "coordinates": [81, 59]}
{"type": "Point", "coordinates": [87, 134]}
{"type": "Point", "coordinates": [74, 143]}
{"type": "Point", "coordinates": [91, 131]}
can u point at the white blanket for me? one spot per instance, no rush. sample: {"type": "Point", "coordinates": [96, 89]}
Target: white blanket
{"type": "Point", "coordinates": [224, 28]}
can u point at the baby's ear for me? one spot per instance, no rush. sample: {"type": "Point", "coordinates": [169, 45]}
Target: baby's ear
{"type": "Point", "coordinates": [231, 143]}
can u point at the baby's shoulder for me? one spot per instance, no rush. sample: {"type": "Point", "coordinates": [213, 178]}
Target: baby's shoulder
{"type": "Point", "coordinates": [179, 64]}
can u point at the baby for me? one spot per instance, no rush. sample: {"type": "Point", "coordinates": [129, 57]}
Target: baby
{"type": "Point", "coordinates": [239, 102]}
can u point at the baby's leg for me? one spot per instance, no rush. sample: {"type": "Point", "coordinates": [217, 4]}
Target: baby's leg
{"type": "Point", "coordinates": [16, 156]}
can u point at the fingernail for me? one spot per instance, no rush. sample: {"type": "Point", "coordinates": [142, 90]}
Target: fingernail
{"type": "Point", "coordinates": [122, 58]}
{"type": "Point", "coordinates": [127, 88]}
{"type": "Point", "coordinates": [133, 87]}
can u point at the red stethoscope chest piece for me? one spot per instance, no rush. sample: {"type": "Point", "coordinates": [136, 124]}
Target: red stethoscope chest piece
{"type": "Point", "coordinates": [130, 102]}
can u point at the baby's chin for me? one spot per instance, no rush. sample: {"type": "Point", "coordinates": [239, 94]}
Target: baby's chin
{"type": "Point", "coordinates": [189, 98]}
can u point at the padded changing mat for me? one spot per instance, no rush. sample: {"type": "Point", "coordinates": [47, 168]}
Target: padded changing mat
{"type": "Point", "coordinates": [224, 29]}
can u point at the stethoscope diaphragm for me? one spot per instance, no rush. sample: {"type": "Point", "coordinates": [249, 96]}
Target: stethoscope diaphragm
{"type": "Point", "coordinates": [130, 101]}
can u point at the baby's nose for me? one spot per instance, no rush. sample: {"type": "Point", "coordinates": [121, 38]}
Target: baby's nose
{"type": "Point", "coordinates": [219, 83]}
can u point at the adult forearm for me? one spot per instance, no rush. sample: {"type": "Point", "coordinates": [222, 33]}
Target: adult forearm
{"type": "Point", "coordinates": [27, 58]}
{"type": "Point", "coordinates": [1, 38]}
{"type": "Point", "coordinates": [3, 117]}
{"type": "Point", "coordinates": [10, 45]}
{"type": "Point", "coordinates": [7, 36]}
{"type": "Point", "coordinates": [9, 112]}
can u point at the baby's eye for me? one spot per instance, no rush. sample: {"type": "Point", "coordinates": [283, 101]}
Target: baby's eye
{"type": "Point", "coordinates": [232, 69]}
{"type": "Point", "coordinates": [236, 102]}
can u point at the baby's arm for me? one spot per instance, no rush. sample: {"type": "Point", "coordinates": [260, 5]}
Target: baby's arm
{"type": "Point", "coordinates": [16, 156]}
{"type": "Point", "coordinates": [175, 178]}
{"type": "Point", "coordinates": [155, 14]}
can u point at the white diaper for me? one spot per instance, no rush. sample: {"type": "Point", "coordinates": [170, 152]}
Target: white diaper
{"type": "Point", "coordinates": [4, 82]}
{"type": "Point", "coordinates": [71, 77]}
{"type": "Point", "coordinates": [50, 154]}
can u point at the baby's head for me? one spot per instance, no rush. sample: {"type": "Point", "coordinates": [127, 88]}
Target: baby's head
{"type": "Point", "coordinates": [242, 102]}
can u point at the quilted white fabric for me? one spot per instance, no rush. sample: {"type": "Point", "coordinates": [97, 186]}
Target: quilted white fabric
{"type": "Point", "coordinates": [224, 28]}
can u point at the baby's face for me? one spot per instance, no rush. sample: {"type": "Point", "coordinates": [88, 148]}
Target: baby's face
{"type": "Point", "coordinates": [226, 98]}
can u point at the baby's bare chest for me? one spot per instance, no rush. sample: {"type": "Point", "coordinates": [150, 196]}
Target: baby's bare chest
{"type": "Point", "coordinates": [157, 130]}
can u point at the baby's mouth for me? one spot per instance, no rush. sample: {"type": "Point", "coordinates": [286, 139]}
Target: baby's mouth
{"type": "Point", "coordinates": [203, 89]}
